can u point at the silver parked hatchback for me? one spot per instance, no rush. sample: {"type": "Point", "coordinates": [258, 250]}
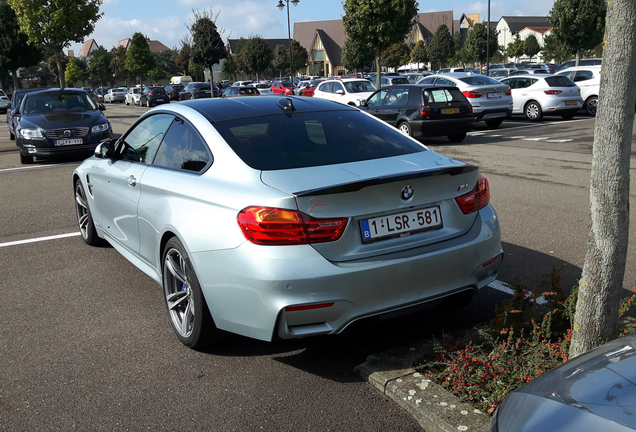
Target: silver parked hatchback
{"type": "Point", "coordinates": [286, 217]}
{"type": "Point", "coordinates": [491, 100]}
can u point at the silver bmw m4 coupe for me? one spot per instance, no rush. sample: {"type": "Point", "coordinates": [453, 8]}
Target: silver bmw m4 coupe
{"type": "Point", "coordinates": [286, 217]}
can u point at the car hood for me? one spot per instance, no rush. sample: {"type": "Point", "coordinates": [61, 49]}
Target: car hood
{"type": "Point", "coordinates": [62, 119]}
{"type": "Point", "coordinates": [597, 388]}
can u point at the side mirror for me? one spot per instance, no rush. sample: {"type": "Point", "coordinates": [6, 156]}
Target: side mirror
{"type": "Point", "coordinates": [106, 149]}
{"type": "Point", "coordinates": [101, 107]}
{"type": "Point", "coordinates": [340, 92]}
{"type": "Point", "coordinates": [364, 103]}
{"type": "Point", "coordinates": [15, 112]}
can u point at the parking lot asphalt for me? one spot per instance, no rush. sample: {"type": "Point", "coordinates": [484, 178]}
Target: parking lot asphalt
{"type": "Point", "coordinates": [87, 343]}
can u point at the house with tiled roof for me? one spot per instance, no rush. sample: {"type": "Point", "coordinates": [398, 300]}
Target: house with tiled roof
{"type": "Point", "coordinates": [154, 45]}
{"type": "Point", "coordinates": [87, 48]}
{"type": "Point", "coordinates": [510, 26]}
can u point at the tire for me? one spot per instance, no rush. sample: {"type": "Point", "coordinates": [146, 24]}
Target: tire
{"type": "Point", "coordinates": [189, 313]}
{"type": "Point", "coordinates": [533, 111]}
{"type": "Point", "coordinates": [26, 159]}
{"type": "Point", "coordinates": [126, 102]}
{"type": "Point", "coordinates": [493, 123]}
{"type": "Point", "coordinates": [84, 217]}
{"type": "Point", "coordinates": [457, 137]}
{"type": "Point", "coordinates": [11, 136]}
{"type": "Point", "coordinates": [591, 104]}
{"type": "Point", "coordinates": [405, 128]}
{"type": "Point", "coordinates": [568, 116]}
{"type": "Point", "coordinates": [191, 97]}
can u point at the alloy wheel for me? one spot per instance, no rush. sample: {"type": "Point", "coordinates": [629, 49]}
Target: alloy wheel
{"type": "Point", "coordinates": [81, 207]}
{"type": "Point", "coordinates": [178, 292]}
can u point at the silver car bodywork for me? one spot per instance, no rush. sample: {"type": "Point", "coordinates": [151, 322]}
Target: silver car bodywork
{"type": "Point", "coordinates": [265, 291]}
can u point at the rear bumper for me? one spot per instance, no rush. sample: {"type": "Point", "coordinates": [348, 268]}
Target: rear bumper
{"type": "Point", "coordinates": [490, 113]}
{"type": "Point", "coordinates": [248, 288]}
{"type": "Point", "coordinates": [434, 128]}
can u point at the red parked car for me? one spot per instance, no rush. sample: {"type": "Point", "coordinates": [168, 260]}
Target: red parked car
{"type": "Point", "coordinates": [283, 88]}
{"type": "Point", "coordinates": [309, 90]}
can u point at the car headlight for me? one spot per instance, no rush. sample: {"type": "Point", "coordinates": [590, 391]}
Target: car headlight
{"type": "Point", "coordinates": [32, 133]}
{"type": "Point", "coordinates": [100, 128]}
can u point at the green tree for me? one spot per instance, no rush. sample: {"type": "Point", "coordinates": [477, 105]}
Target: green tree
{"type": "Point", "coordinates": [208, 48]}
{"type": "Point", "coordinates": [555, 50]}
{"type": "Point", "coordinates": [280, 62]}
{"type": "Point", "coordinates": [195, 70]}
{"type": "Point", "coordinates": [165, 64]}
{"type": "Point", "coordinates": [601, 285]}
{"type": "Point", "coordinates": [257, 54]}
{"type": "Point", "coordinates": [99, 66]}
{"type": "Point", "coordinates": [73, 72]}
{"type": "Point", "coordinates": [477, 43]}
{"type": "Point", "coordinates": [118, 64]}
{"type": "Point", "coordinates": [419, 53]}
{"type": "Point", "coordinates": [230, 67]}
{"type": "Point", "coordinates": [379, 24]}
{"type": "Point", "coordinates": [183, 57]}
{"type": "Point", "coordinates": [516, 48]}
{"type": "Point", "coordinates": [532, 46]}
{"type": "Point", "coordinates": [356, 56]}
{"type": "Point", "coordinates": [54, 24]}
{"type": "Point", "coordinates": [441, 48]}
{"type": "Point", "coordinates": [52, 65]}
{"type": "Point", "coordinates": [396, 55]}
{"type": "Point", "coordinates": [578, 24]}
{"type": "Point", "coordinates": [139, 59]}
{"type": "Point", "coordinates": [15, 50]}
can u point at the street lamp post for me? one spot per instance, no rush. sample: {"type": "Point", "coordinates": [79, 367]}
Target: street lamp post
{"type": "Point", "coordinates": [280, 7]}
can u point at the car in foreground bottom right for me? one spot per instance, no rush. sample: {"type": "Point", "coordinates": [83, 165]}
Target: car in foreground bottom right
{"type": "Point", "coordinates": [595, 391]}
{"type": "Point", "coordinates": [538, 95]}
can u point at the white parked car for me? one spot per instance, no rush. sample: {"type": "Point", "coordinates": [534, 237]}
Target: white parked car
{"type": "Point", "coordinates": [491, 100]}
{"type": "Point", "coordinates": [262, 87]}
{"type": "Point", "coordinates": [347, 91]}
{"type": "Point", "coordinates": [301, 85]}
{"type": "Point", "coordinates": [588, 78]}
{"type": "Point", "coordinates": [241, 83]}
{"type": "Point", "coordinates": [537, 95]}
{"type": "Point", "coordinates": [5, 102]}
{"type": "Point", "coordinates": [133, 96]}
{"type": "Point", "coordinates": [115, 95]}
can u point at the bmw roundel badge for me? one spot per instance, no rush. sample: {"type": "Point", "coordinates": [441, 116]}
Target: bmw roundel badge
{"type": "Point", "coordinates": [407, 192]}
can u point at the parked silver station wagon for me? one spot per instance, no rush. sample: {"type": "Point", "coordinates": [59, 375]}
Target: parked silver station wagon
{"type": "Point", "coordinates": [286, 217]}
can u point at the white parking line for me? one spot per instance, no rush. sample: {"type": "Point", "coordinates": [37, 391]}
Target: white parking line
{"type": "Point", "coordinates": [500, 286]}
{"type": "Point", "coordinates": [536, 139]}
{"type": "Point", "coordinates": [39, 239]}
{"type": "Point", "coordinates": [37, 166]}
{"type": "Point", "coordinates": [559, 141]}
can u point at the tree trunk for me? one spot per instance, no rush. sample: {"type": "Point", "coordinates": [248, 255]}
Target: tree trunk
{"type": "Point", "coordinates": [600, 288]}
{"type": "Point", "coordinates": [14, 76]}
{"type": "Point", "coordinates": [378, 68]}
{"type": "Point", "coordinates": [60, 68]}
{"type": "Point", "coordinates": [578, 57]}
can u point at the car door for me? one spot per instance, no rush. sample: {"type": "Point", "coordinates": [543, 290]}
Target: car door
{"type": "Point", "coordinates": [339, 94]}
{"type": "Point", "coordinates": [375, 102]}
{"type": "Point", "coordinates": [393, 105]}
{"type": "Point", "coordinates": [116, 185]}
{"type": "Point", "coordinates": [586, 82]}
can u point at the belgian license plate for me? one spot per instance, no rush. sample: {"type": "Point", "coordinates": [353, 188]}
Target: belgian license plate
{"type": "Point", "coordinates": [493, 95]}
{"type": "Point", "coordinates": [570, 102]}
{"type": "Point", "coordinates": [160, 99]}
{"type": "Point", "coordinates": [450, 110]}
{"type": "Point", "coordinates": [401, 224]}
{"type": "Point", "coordinates": [69, 142]}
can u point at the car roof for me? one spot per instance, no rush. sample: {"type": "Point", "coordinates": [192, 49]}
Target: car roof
{"type": "Point", "coordinates": [597, 67]}
{"type": "Point", "coordinates": [222, 109]}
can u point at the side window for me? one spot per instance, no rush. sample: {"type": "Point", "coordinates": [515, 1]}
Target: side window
{"type": "Point", "coordinates": [569, 74]}
{"type": "Point", "coordinates": [327, 87]}
{"type": "Point", "coordinates": [583, 75]}
{"type": "Point", "coordinates": [428, 80]}
{"type": "Point", "coordinates": [378, 98]}
{"type": "Point", "coordinates": [141, 144]}
{"type": "Point", "coordinates": [398, 96]}
{"type": "Point", "coordinates": [444, 81]}
{"type": "Point", "coordinates": [337, 86]}
{"type": "Point", "coordinates": [183, 148]}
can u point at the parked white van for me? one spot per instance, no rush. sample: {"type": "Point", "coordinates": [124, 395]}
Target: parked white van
{"type": "Point", "coordinates": [183, 80]}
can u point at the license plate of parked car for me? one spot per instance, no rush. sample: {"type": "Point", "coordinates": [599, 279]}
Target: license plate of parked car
{"type": "Point", "coordinates": [450, 110]}
{"type": "Point", "coordinates": [570, 102]}
{"type": "Point", "coordinates": [401, 224]}
{"type": "Point", "coordinates": [493, 95]}
{"type": "Point", "coordinates": [68, 142]}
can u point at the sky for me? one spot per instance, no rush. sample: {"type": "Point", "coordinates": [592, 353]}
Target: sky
{"type": "Point", "coordinates": [167, 20]}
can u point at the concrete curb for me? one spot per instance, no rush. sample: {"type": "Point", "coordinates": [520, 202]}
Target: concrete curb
{"type": "Point", "coordinates": [433, 407]}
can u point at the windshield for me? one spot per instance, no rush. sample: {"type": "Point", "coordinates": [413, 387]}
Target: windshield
{"type": "Point", "coordinates": [286, 84]}
{"type": "Point", "coordinates": [41, 103]}
{"type": "Point", "coordinates": [359, 86]}
{"type": "Point", "coordinates": [313, 139]}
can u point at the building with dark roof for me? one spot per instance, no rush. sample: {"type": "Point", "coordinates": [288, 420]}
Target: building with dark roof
{"type": "Point", "coordinates": [510, 26]}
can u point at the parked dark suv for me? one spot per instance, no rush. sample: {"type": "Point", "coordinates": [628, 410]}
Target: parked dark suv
{"type": "Point", "coordinates": [155, 95]}
{"type": "Point", "coordinates": [421, 110]}
{"type": "Point", "coordinates": [197, 91]}
{"type": "Point", "coordinates": [173, 91]}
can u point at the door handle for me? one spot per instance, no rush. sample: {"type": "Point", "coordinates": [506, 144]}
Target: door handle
{"type": "Point", "coordinates": [132, 181]}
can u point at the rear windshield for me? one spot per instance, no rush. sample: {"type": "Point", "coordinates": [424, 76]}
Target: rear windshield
{"type": "Point", "coordinates": [399, 81]}
{"type": "Point", "coordinates": [559, 81]}
{"type": "Point", "coordinates": [443, 95]}
{"type": "Point", "coordinates": [2, 93]}
{"type": "Point", "coordinates": [202, 86]}
{"type": "Point", "coordinates": [479, 80]}
{"type": "Point", "coordinates": [313, 139]}
{"type": "Point", "coordinates": [248, 91]}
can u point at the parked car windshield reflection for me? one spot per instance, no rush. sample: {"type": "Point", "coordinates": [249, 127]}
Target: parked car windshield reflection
{"type": "Point", "coordinates": [52, 102]}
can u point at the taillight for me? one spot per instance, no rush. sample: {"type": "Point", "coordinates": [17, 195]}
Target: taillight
{"type": "Point", "coordinates": [472, 94]}
{"type": "Point", "coordinates": [476, 199]}
{"type": "Point", "coordinates": [150, 94]}
{"type": "Point", "coordinates": [274, 226]}
{"type": "Point", "coordinates": [552, 91]}
{"type": "Point", "coordinates": [508, 92]}
{"type": "Point", "coordinates": [425, 110]}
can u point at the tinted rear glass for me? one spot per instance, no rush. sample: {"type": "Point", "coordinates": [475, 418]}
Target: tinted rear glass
{"type": "Point", "coordinates": [479, 80]}
{"type": "Point", "coordinates": [443, 95]}
{"type": "Point", "coordinates": [313, 139]}
{"type": "Point", "coordinates": [399, 81]}
{"type": "Point", "coordinates": [559, 81]}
